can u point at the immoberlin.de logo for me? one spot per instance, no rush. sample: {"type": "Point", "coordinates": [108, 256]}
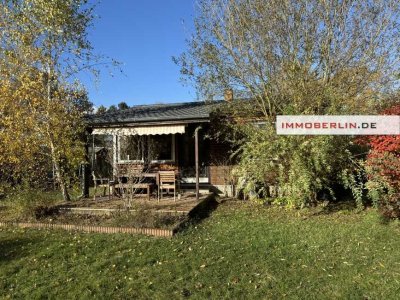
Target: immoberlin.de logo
{"type": "Point", "coordinates": [337, 125]}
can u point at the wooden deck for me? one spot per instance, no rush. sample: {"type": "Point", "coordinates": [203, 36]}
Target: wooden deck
{"type": "Point", "coordinates": [102, 205]}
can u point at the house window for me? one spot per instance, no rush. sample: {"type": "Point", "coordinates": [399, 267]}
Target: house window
{"type": "Point", "coordinates": [161, 148]}
{"type": "Point", "coordinates": [131, 148]}
{"type": "Point", "coordinates": [154, 148]}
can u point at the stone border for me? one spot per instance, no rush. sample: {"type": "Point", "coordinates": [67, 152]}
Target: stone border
{"type": "Point", "coordinates": [98, 229]}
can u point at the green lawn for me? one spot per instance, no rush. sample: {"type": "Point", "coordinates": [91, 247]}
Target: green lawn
{"type": "Point", "coordinates": [240, 251]}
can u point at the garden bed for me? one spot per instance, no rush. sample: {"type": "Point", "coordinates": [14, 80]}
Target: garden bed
{"type": "Point", "coordinates": [147, 218]}
{"type": "Point", "coordinates": [138, 219]}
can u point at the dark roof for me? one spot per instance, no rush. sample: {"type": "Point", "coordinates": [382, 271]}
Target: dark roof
{"type": "Point", "coordinates": [157, 113]}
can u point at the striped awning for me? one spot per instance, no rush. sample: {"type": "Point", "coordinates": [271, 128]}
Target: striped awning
{"type": "Point", "coordinates": [145, 130]}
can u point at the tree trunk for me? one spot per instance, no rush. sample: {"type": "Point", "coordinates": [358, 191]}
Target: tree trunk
{"type": "Point", "coordinates": [60, 178]}
{"type": "Point", "coordinates": [62, 183]}
{"type": "Point", "coordinates": [56, 164]}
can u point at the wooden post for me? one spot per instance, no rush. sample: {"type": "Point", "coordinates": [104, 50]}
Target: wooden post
{"type": "Point", "coordinates": [196, 154]}
{"type": "Point", "coordinates": [93, 152]}
{"type": "Point", "coordinates": [115, 155]}
{"type": "Point", "coordinates": [85, 170]}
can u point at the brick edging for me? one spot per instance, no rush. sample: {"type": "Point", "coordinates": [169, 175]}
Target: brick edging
{"type": "Point", "coordinates": [98, 229]}
{"type": "Point", "coordinates": [103, 229]}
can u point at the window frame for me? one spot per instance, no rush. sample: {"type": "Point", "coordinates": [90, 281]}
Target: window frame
{"type": "Point", "coordinates": [172, 160]}
{"type": "Point", "coordinates": [127, 160]}
{"type": "Point", "coordinates": [153, 161]}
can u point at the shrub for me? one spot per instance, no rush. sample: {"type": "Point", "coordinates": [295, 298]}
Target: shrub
{"type": "Point", "coordinates": [29, 203]}
{"type": "Point", "coordinates": [42, 212]}
{"type": "Point", "coordinates": [301, 166]}
{"type": "Point", "coordinates": [382, 169]}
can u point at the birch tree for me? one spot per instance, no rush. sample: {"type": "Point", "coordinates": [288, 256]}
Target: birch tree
{"type": "Point", "coordinates": [43, 48]}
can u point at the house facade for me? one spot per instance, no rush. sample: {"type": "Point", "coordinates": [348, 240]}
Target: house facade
{"type": "Point", "coordinates": [162, 137]}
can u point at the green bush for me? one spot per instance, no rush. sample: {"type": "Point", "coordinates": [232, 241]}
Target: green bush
{"type": "Point", "coordinates": [299, 166]}
{"type": "Point", "coordinates": [23, 202]}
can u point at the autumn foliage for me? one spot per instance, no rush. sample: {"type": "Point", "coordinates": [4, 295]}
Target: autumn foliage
{"type": "Point", "coordinates": [43, 47]}
{"type": "Point", "coordinates": [383, 170]}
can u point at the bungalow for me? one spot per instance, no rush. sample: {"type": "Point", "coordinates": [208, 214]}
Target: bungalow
{"type": "Point", "coordinates": [164, 137]}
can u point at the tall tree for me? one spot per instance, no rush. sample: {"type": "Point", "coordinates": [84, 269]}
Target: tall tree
{"type": "Point", "coordinates": [43, 47]}
{"type": "Point", "coordinates": [101, 110]}
{"type": "Point", "coordinates": [112, 108]}
{"type": "Point", "coordinates": [297, 56]}
{"type": "Point", "coordinates": [122, 105]}
{"type": "Point", "coordinates": [294, 57]}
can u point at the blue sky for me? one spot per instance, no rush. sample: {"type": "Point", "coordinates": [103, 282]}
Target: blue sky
{"type": "Point", "coordinates": [143, 35]}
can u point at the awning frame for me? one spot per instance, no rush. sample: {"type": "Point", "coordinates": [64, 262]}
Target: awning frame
{"type": "Point", "coordinates": [141, 130]}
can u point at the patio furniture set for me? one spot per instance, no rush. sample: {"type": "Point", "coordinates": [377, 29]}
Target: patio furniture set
{"type": "Point", "coordinates": [131, 180]}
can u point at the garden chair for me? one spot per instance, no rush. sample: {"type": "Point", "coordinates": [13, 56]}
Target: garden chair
{"type": "Point", "coordinates": [166, 181]}
{"type": "Point", "coordinates": [104, 183]}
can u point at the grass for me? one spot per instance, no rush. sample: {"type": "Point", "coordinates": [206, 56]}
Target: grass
{"type": "Point", "coordinates": [240, 251]}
